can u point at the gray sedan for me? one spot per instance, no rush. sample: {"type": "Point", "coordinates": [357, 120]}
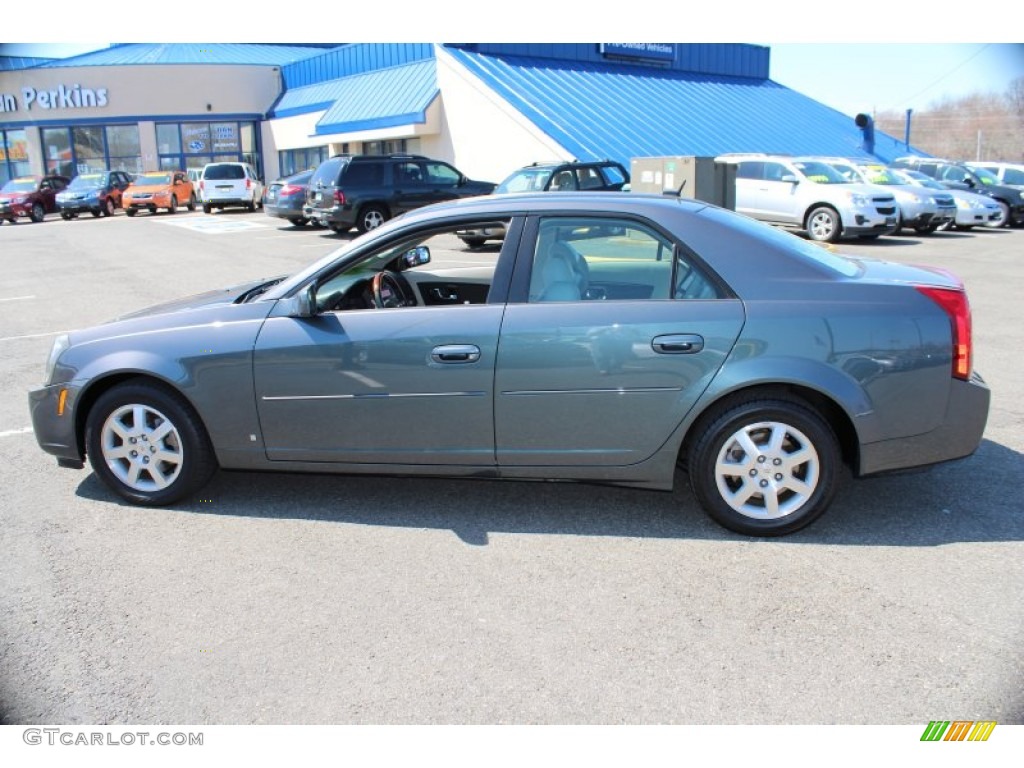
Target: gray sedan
{"type": "Point", "coordinates": [613, 338]}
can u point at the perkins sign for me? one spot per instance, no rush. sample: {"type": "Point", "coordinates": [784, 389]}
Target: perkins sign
{"type": "Point", "coordinates": [63, 97]}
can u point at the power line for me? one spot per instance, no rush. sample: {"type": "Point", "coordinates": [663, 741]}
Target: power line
{"type": "Point", "coordinates": [959, 66]}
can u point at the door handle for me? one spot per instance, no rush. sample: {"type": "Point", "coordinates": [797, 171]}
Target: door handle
{"type": "Point", "coordinates": [678, 344]}
{"type": "Point", "coordinates": [455, 353]}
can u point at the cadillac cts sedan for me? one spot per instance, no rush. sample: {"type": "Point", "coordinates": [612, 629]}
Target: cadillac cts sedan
{"type": "Point", "coordinates": [613, 338]}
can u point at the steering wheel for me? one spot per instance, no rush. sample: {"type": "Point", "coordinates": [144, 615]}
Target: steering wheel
{"type": "Point", "coordinates": [390, 290]}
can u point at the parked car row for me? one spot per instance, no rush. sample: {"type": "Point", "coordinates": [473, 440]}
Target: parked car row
{"type": "Point", "coordinates": [101, 193]}
{"type": "Point", "coordinates": [830, 198]}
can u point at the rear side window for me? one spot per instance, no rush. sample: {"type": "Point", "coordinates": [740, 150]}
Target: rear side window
{"type": "Point", "coordinates": [753, 170]}
{"type": "Point", "coordinates": [327, 173]}
{"type": "Point", "coordinates": [613, 175]}
{"type": "Point", "coordinates": [364, 175]}
{"type": "Point", "coordinates": [224, 172]}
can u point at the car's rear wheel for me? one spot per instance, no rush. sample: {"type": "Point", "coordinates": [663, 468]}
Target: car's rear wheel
{"type": "Point", "coordinates": [173, 207]}
{"type": "Point", "coordinates": [371, 217]}
{"type": "Point", "coordinates": [824, 225]}
{"type": "Point", "coordinates": [148, 445]}
{"type": "Point", "coordinates": [473, 242]}
{"type": "Point", "coordinates": [1006, 213]}
{"type": "Point", "coordinates": [251, 205]}
{"type": "Point", "coordinates": [191, 202]}
{"type": "Point", "coordinates": [38, 213]}
{"type": "Point", "coordinates": [765, 467]}
{"type": "Point", "coordinates": [299, 222]}
{"type": "Point", "coordinates": [207, 208]}
{"type": "Point", "coordinates": [108, 207]}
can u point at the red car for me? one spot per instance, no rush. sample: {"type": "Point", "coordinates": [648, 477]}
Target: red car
{"type": "Point", "coordinates": [30, 196]}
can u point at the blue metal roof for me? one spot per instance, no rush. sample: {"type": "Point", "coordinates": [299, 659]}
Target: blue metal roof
{"type": "Point", "coordinates": [383, 99]}
{"type": "Point", "coordinates": [352, 59]}
{"type": "Point", "coordinates": [130, 54]}
{"type": "Point", "coordinates": [621, 111]}
{"type": "Point", "coordinates": [10, 63]}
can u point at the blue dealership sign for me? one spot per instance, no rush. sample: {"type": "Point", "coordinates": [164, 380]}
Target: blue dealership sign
{"type": "Point", "coordinates": [646, 51]}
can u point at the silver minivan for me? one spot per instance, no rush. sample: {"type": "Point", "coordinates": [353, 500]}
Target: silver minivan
{"type": "Point", "coordinates": [230, 184]}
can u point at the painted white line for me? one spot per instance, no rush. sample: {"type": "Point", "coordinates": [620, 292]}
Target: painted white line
{"type": "Point", "coordinates": [31, 336]}
{"type": "Point", "coordinates": [18, 298]}
{"type": "Point", "coordinates": [12, 432]}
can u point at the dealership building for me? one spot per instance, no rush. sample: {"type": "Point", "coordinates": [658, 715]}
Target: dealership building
{"type": "Point", "coordinates": [486, 108]}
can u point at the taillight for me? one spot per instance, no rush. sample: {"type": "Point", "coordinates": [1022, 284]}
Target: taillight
{"type": "Point", "coordinates": [202, 185]}
{"type": "Point", "coordinates": [289, 189]}
{"type": "Point", "coordinates": [248, 183]}
{"type": "Point", "coordinates": [339, 197]}
{"type": "Point", "coordinates": [955, 304]}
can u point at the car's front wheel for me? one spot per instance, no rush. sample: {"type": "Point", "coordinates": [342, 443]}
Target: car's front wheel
{"type": "Point", "coordinates": [173, 207]}
{"type": "Point", "coordinates": [38, 213]}
{"type": "Point", "coordinates": [765, 467]}
{"type": "Point", "coordinates": [148, 445]}
{"type": "Point", "coordinates": [823, 225]}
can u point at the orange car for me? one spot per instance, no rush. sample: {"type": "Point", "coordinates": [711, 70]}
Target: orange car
{"type": "Point", "coordinates": [159, 189]}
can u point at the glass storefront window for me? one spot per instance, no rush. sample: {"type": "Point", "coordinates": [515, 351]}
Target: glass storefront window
{"type": "Point", "coordinates": [168, 140]}
{"type": "Point", "coordinates": [125, 151]}
{"type": "Point", "coordinates": [13, 155]}
{"type": "Point", "coordinates": [225, 137]}
{"type": "Point", "coordinates": [89, 149]}
{"type": "Point", "coordinates": [57, 149]}
{"type": "Point", "coordinates": [248, 138]}
{"type": "Point", "coordinates": [195, 138]}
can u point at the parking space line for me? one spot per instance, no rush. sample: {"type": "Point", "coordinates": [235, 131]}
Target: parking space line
{"type": "Point", "coordinates": [31, 336]}
{"type": "Point", "coordinates": [12, 432]}
{"type": "Point", "coordinates": [18, 298]}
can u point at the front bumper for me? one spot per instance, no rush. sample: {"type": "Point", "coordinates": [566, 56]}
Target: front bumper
{"type": "Point", "coordinates": [12, 212]}
{"type": "Point", "coordinates": [958, 435]}
{"type": "Point", "coordinates": [55, 433]}
{"type": "Point", "coordinates": [80, 206]}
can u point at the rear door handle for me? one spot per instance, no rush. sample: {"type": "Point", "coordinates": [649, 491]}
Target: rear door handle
{"type": "Point", "coordinates": [678, 344]}
{"type": "Point", "coordinates": [455, 353]}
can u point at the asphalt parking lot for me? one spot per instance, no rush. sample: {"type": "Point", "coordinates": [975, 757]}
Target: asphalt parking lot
{"type": "Point", "coordinates": [318, 599]}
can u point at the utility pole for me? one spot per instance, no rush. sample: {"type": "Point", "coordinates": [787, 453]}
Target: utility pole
{"type": "Point", "coordinates": [906, 138]}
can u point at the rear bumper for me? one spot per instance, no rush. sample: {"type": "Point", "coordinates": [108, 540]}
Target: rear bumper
{"type": "Point", "coordinates": [958, 436]}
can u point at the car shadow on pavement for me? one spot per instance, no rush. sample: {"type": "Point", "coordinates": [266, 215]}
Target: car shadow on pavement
{"type": "Point", "coordinates": [973, 500]}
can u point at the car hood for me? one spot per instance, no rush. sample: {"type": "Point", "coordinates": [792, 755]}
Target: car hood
{"type": "Point", "coordinates": [12, 195]}
{"type": "Point", "coordinates": [217, 306]}
{"type": "Point", "coordinates": [147, 188]}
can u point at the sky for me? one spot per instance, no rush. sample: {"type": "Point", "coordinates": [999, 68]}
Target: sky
{"type": "Point", "coordinates": [843, 59]}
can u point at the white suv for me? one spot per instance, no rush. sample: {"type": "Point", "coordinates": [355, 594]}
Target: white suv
{"type": "Point", "coordinates": [809, 195]}
{"type": "Point", "coordinates": [1007, 173]}
{"type": "Point", "coordinates": [230, 184]}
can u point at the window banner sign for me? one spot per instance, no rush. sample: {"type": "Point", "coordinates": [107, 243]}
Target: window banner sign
{"type": "Point", "coordinates": [665, 52]}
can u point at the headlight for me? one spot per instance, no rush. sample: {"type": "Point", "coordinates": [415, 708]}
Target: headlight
{"type": "Point", "coordinates": [861, 201]}
{"type": "Point", "coordinates": [60, 345]}
{"type": "Point", "coordinates": [20, 200]}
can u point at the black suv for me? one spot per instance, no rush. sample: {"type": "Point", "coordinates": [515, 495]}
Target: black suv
{"type": "Point", "coordinates": [591, 176]}
{"type": "Point", "coordinates": [364, 191]}
{"type": "Point", "coordinates": [959, 176]}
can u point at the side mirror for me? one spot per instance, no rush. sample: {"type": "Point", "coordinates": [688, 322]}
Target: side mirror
{"type": "Point", "coordinates": [303, 303]}
{"type": "Point", "coordinates": [463, 180]}
{"type": "Point", "coordinates": [790, 178]}
{"type": "Point", "coordinates": [416, 256]}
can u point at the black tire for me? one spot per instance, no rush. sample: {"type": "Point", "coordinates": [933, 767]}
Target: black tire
{"type": "Point", "coordinates": [338, 229]}
{"type": "Point", "coordinates": [1007, 219]}
{"type": "Point", "coordinates": [251, 205]}
{"type": "Point", "coordinates": [38, 213]}
{"type": "Point", "coordinates": [108, 207]}
{"type": "Point", "coordinates": [473, 242]}
{"type": "Point", "coordinates": [371, 217]}
{"type": "Point", "coordinates": [963, 227]}
{"type": "Point", "coordinates": [191, 202]}
{"type": "Point", "coordinates": [130, 211]}
{"type": "Point", "coordinates": [207, 208]}
{"type": "Point", "coordinates": [899, 223]}
{"type": "Point", "coordinates": [190, 461]}
{"type": "Point", "coordinates": [97, 213]}
{"type": "Point", "coordinates": [65, 215]}
{"type": "Point", "coordinates": [824, 225]}
{"type": "Point", "coordinates": [173, 207]}
{"type": "Point", "coordinates": [298, 222]}
{"type": "Point", "coordinates": [806, 486]}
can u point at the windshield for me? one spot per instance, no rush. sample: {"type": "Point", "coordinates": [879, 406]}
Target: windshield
{"type": "Point", "coordinates": [527, 180]}
{"type": "Point", "coordinates": [986, 177]}
{"type": "Point", "coordinates": [876, 174]}
{"type": "Point", "coordinates": [921, 180]}
{"type": "Point", "coordinates": [20, 185]}
{"type": "Point", "coordinates": [88, 181]}
{"type": "Point", "coordinates": [153, 179]}
{"type": "Point", "coordinates": [820, 173]}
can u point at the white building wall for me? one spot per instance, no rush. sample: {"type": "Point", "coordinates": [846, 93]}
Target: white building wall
{"type": "Point", "coordinates": [483, 135]}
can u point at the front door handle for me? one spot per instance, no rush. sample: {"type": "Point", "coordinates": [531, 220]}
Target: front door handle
{"type": "Point", "coordinates": [678, 344]}
{"type": "Point", "coordinates": [455, 353]}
